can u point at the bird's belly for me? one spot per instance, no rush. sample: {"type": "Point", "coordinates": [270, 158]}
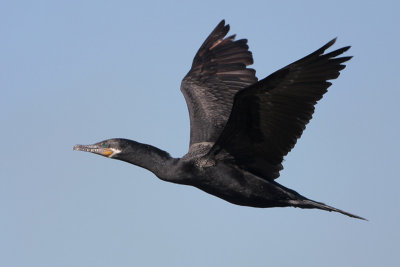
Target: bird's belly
{"type": "Point", "coordinates": [240, 189]}
{"type": "Point", "coordinates": [242, 197]}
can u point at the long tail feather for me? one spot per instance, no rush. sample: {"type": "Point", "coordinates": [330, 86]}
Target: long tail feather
{"type": "Point", "coordinates": [311, 204]}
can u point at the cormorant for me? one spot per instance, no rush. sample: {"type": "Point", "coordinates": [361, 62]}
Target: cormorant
{"type": "Point", "coordinates": [240, 128]}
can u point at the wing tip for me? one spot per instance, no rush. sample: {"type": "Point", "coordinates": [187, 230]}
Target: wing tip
{"type": "Point", "coordinates": [332, 42]}
{"type": "Point", "coordinates": [221, 24]}
{"type": "Point", "coordinates": [222, 27]}
{"type": "Point", "coordinates": [327, 45]}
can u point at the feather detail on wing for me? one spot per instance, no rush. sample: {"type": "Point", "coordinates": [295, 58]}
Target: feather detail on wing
{"type": "Point", "coordinates": [268, 117]}
{"type": "Point", "coordinates": [218, 72]}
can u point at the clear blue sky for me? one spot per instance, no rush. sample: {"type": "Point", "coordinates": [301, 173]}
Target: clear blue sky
{"type": "Point", "coordinates": [83, 71]}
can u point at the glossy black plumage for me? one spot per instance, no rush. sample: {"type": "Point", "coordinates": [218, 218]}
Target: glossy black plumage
{"type": "Point", "coordinates": [269, 116]}
{"type": "Point", "coordinates": [218, 72]}
{"type": "Point", "coordinates": [241, 128]}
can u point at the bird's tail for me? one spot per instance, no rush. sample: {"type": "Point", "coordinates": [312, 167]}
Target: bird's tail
{"type": "Point", "coordinates": [311, 204]}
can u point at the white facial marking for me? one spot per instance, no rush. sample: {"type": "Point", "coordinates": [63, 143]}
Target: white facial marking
{"type": "Point", "coordinates": [115, 151]}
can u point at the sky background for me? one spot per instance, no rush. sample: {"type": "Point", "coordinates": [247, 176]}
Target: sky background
{"type": "Point", "coordinates": [84, 71]}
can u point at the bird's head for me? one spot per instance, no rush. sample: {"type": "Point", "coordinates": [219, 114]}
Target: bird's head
{"type": "Point", "coordinates": [107, 148]}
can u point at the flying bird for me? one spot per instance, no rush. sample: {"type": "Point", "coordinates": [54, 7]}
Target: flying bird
{"type": "Point", "coordinates": [241, 128]}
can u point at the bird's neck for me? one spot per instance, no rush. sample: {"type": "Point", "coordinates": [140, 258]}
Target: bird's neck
{"type": "Point", "coordinates": [151, 158]}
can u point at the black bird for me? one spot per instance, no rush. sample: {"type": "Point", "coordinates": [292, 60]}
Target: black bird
{"type": "Point", "coordinates": [240, 128]}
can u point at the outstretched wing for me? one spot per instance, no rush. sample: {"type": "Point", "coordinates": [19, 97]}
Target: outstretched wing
{"type": "Point", "coordinates": [218, 72]}
{"type": "Point", "coordinates": [268, 117]}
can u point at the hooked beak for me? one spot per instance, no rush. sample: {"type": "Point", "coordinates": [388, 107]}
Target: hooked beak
{"type": "Point", "coordinates": [97, 149]}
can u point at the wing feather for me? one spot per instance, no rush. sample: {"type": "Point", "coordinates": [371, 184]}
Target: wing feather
{"type": "Point", "coordinates": [269, 116]}
{"type": "Point", "coordinates": [218, 72]}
